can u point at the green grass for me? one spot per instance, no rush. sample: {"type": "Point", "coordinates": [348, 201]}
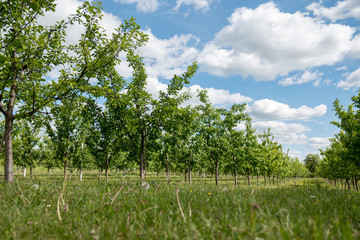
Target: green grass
{"type": "Point", "coordinates": [91, 210]}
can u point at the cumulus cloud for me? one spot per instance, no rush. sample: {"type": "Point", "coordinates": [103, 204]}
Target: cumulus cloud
{"type": "Point", "coordinates": [265, 43]}
{"type": "Point", "coordinates": [319, 143]}
{"type": "Point", "coordinates": [284, 133]}
{"type": "Point", "coordinates": [65, 8]}
{"type": "Point", "coordinates": [146, 6]}
{"type": "Point", "coordinates": [166, 57]}
{"type": "Point", "coordinates": [267, 109]}
{"type": "Point", "coordinates": [203, 5]}
{"type": "Point", "coordinates": [307, 76]}
{"type": "Point", "coordinates": [352, 80]}
{"type": "Point", "coordinates": [342, 10]}
{"type": "Point", "coordinates": [216, 96]}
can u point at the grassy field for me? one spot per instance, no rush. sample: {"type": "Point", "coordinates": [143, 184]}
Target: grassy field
{"type": "Point", "coordinates": [92, 209]}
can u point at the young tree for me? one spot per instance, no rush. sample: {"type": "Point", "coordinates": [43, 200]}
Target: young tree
{"type": "Point", "coordinates": [138, 114]}
{"type": "Point", "coordinates": [312, 161]}
{"type": "Point", "coordinates": [27, 141]}
{"type": "Point", "coordinates": [29, 51]}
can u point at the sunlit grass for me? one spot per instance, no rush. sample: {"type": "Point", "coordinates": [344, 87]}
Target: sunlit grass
{"type": "Point", "coordinates": [121, 209]}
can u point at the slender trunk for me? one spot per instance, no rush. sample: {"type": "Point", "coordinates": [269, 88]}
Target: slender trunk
{"type": "Point", "coordinates": [24, 171]}
{"type": "Point", "coordinates": [141, 163]}
{"type": "Point", "coordinates": [189, 172]}
{"type": "Point", "coordinates": [65, 168]}
{"type": "Point", "coordinates": [269, 179]}
{"type": "Point", "coordinates": [277, 178]}
{"type": "Point", "coordinates": [80, 174]}
{"type": "Point", "coordinates": [9, 161]}
{"type": "Point", "coordinates": [274, 180]}
{"type": "Point", "coordinates": [107, 168]}
{"type": "Point", "coordinates": [199, 176]}
{"type": "Point", "coordinates": [335, 183]}
{"type": "Point", "coordinates": [235, 177]}
{"type": "Point", "coordinates": [356, 183]}
{"type": "Point", "coordinates": [265, 179]}
{"type": "Point", "coordinates": [347, 183]}
{"type": "Point", "coordinates": [248, 177]}
{"type": "Point", "coordinates": [257, 179]}
{"type": "Point", "coordinates": [31, 172]}
{"type": "Point", "coordinates": [216, 172]}
{"type": "Point", "coordinates": [185, 175]}
{"type": "Point", "coordinates": [167, 170]}
{"type": "Point", "coordinates": [145, 159]}
{"type": "Point", "coordinates": [100, 173]}
{"type": "Point", "coordinates": [353, 182]}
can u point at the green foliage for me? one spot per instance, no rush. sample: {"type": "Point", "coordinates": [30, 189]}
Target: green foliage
{"type": "Point", "coordinates": [312, 162]}
{"type": "Point", "coordinates": [30, 51]}
{"type": "Point", "coordinates": [342, 159]}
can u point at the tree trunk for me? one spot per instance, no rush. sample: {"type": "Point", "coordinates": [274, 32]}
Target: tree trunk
{"type": "Point", "coordinates": [257, 179]}
{"type": "Point", "coordinates": [141, 163]}
{"type": "Point", "coordinates": [269, 179]}
{"type": "Point", "coordinates": [167, 170]}
{"type": "Point", "coordinates": [31, 172]}
{"type": "Point", "coordinates": [235, 177]}
{"type": "Point", "coordinates": [356, 183]}
{"type": "Point", "coordinates": [248, 177]}
{"type": "Point", "coordinates": [107, 168]}
{"type": "Point", "coordinates": [274, 180]}
{"type": "Point", "coordinates": [199, 176]}
{"type": "Point", "coordinates": [24, 171]}
{"type": "Point", "coordinates": [65, 168]}
{"type": "Point", "coordinates": [185, 175]}
{"type": "Point", "coordinates": [145, 159]}
{"type": "Point", "coordinates": [100, 173]}
{"type": "Point", "coordinates": [80, 174]}
{"type": "Point", "coordinates": [189, 172]}
{"type": "Point", "coordinates": [9, 161]}
{"type": "Point", "coordinates": [277, 178]}
{"type": "Point", "coordinates": [347, 183]}
{"type": "Point", "coordinates": [216, 172]}
{"type": "Point", "coordinates": [265, 179]}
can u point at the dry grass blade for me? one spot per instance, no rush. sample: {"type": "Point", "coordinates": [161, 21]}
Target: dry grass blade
{"type": "Point", "coordinates": [58, 207]}
{"type": "Point", "coordinates": [252, 191]}
{"type": "Point", "coordinates": [117, 193]}
{"type": "Point", "coordinates": [148, 209]}
{"type": "Point", "coordinates": [178, 201]}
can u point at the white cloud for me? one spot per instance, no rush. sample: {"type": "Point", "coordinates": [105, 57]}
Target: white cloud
{"type": "Point", "coordinates": [284, 133]}
{"type": "Point", "coordinates": [216, 96]}
{"type": "Point", "coordinates": [343, 68]}
{"type": "Point", "coordinates": [319, 143]}
{"type": "Point", "coordinates": [355, 47]}
{"type": "Point", "coordinates": [267, 109]}
{"type": "Point", "coordinates": [307, 76]}
{"type": "Point", "coordinates": [146, 6]}
{"type": "Point", "coordinates": [342, 10]}
{"type": "Point", "coordinates": [166, 57]}
{"type": "Point", "coordinates": [266, 43]}
{"type": "Point", "coordinates": [203, 5]}
{"type": "Point", "coordinates": [352, 80]}
{"type": "Point", "coordinates": [65, 8]}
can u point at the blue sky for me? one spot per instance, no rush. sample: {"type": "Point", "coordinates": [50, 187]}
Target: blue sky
{"type": "Point", "coordinates": [288, 60]}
